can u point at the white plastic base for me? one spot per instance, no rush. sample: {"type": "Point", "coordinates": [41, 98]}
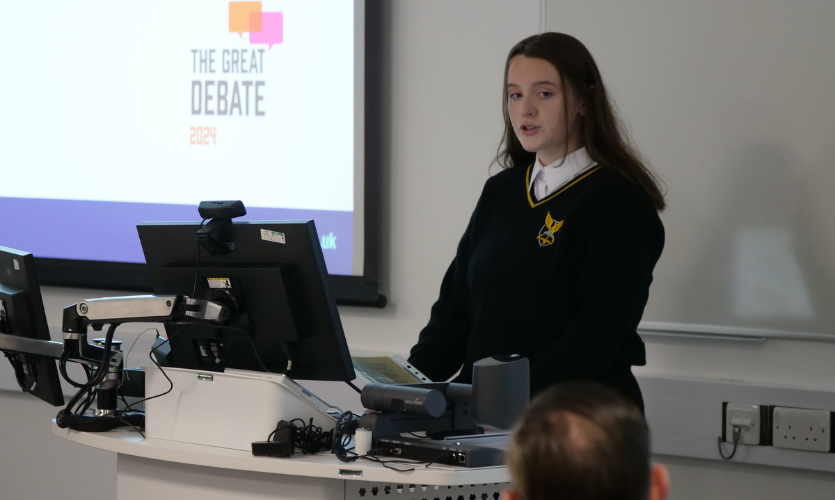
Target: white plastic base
{"type": "Point", "coordinates": [227, 410]}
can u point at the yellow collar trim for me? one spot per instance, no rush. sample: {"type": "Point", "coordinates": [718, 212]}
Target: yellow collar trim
{"type": "Point", "coordinates": [528, 183]}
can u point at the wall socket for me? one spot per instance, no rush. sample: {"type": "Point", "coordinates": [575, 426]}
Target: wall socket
{"type": "Point", "coordinates": [748, 418]}
{"type": "Point", "coordinates": [801, 429]}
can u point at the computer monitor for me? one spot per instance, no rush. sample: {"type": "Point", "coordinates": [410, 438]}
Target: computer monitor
{"type": "Point", "coordinates": [22, 315]}
{"type": "Point", "coordinates": [275, 282]}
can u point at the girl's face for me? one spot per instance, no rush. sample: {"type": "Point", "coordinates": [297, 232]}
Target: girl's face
{"type": "Point", "coordinates": [537, 105]}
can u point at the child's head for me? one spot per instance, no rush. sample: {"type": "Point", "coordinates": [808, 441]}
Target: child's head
{"type": "Point", "coordinates": [582, 441]}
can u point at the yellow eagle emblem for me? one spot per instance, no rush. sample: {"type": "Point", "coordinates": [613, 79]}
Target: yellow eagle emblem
{"type": "Point", "coordinates": [548, 231]}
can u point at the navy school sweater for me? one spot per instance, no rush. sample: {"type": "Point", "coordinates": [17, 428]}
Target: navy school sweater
{"type": "Point", "coordinates": [562, 281]}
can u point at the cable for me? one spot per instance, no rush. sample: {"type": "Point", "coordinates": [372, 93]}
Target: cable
{"type": "Point", "coordinates": [128, 407]}
{"type": "Point", "coordinates": [352, 386]}
{"type": "Point", "coordinates": [68, 410]}
{"type": "Point", "coordinates": [257, 357]}
{"type": "Point", "coordinates": [152, 357]}
{"type": "Point", "coordinates": [66, 416]}
{"type": "Point", "coordinates": [737, 433]}
{"type": "Point", "coordinates": [91, 395]}
{"type": "Point", "coordinates": [154, 360]}
{"type": "Point", "coordinates": [105, 359]}
{"type": "Point", "coordinates": [127, 356]}
{"type": "Point", "coordinates": [73, 416]}
{"type": "Point", "coordinates": [103, 367]}
{"type": "Point", "coordinates": [85, 393]}
{"type": "Point", "coordinates": [418, 435]}
{"type": "Point", "coordinates": [62, 367]}
{"type": "Point", "coordinates": [389, 464]}
{"type": "Point", "coordinates": [310, 438]}
{"type": "Point", "coordinates": [137, 339]}
{"type": "Point", "coordinates": [122, 415]}
{"type": "Point", "coordinates": [20, 374]}
{"type": "Point", "coordinates": [287, 437]}
{"type": "Point", "coordinates": [346, 425]}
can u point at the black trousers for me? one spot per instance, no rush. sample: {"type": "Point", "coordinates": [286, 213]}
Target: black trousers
{"type": "Point", "coordinates": [622, 380]}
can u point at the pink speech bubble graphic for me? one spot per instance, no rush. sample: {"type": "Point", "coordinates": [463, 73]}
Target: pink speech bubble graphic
{"type": "Point", "coordinates": [272, 28]}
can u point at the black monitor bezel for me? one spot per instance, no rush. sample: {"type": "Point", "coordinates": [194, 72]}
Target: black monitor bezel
{"type": "Point", "coordinates": [173, 255]}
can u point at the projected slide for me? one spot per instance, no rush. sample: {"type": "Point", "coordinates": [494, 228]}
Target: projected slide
{"type": "Point", "coordinates": [115, 113]}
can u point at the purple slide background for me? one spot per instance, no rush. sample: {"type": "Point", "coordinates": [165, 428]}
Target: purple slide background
{"type": "Point", "coordinates": [106, 231]}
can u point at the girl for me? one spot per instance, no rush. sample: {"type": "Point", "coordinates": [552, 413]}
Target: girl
{"type": "Point", "coordinates": [557, 260]}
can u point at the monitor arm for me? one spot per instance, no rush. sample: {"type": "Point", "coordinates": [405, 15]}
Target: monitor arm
{"type": "Point", "coordinates": [113, 311]}
{"type": "Point", "coordinates": [139, 308]}
{"type": "Point", "coordinates": [96, 313]}
{"type": "Point", "coordinates": [105, 356]}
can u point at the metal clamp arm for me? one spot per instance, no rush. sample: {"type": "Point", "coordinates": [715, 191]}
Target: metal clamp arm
{"type": "Point", "coordinates": [23, 345]}
{"type": "Point", "coordinates": [140, 308]}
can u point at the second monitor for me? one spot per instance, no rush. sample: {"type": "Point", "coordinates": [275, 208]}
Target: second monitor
{"type": "Point", "coordinates": [284, 318]}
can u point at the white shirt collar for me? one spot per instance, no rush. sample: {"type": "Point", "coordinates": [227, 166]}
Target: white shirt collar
{"type": "Point", "coordinates": [545, 180]}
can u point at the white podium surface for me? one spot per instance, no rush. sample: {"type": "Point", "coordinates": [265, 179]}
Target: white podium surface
{"type": "Point", "coordinates": [160, 469]}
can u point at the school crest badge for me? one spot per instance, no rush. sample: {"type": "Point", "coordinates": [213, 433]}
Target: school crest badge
{"type": "Point", "coordinates": [548, 231]}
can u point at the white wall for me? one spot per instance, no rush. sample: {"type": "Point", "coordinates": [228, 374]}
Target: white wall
{"type": "Point", "coordinates": [728, 101]}
{"type": "Point", "coordinates": [444, 63]}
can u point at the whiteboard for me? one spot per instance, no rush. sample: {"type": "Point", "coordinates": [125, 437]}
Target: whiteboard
{"type": "Point", "coordinates": [733, 104]}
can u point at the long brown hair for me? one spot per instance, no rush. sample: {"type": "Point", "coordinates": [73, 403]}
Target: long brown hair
{"type": "Point", "coordinates": [604, 137]}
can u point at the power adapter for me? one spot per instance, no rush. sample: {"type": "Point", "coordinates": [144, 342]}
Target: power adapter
{"type": "Point", "coordinates": [281, 443]}
{"type": "Point", "coordinates": [282, 449]}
